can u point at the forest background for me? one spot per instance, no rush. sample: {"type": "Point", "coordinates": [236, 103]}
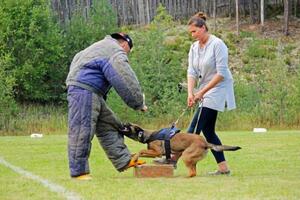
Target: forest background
{"type": "Point", "coordinates": [37, 46]}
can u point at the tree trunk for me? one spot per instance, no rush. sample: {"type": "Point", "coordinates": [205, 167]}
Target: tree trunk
{"type": "Point", "coordinates": [141, 12]}
{"type": "Point", "coordinates": [251, 11]}
{"type": "Point", "coordinates": [207, 7]}
{"type": "Point", "coordinates": [262, 15]}
{"type": "Point", "coordinates": [244, 7]}
{"type": "Point", "coordinates": [237, 17]}
{"type": "Point", "coordinates": [148, 12]}
{"type": "Point", "coordinates": [286, 17]}
{"type": "Point", "coordinates": [214, 14]}
{"type": "Point", "coordinates": [230, 9]}
{"type": "Point", "coordinates": [295, 8]}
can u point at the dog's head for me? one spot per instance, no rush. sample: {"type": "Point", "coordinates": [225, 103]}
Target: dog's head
{"type": "Point", "coordinates": [135, 132]}
{"type": "Point", "coordinates": [129, 128]}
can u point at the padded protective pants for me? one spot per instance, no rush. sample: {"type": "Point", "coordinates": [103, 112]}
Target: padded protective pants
{"type": "Point", "coordinates": [89, 114]}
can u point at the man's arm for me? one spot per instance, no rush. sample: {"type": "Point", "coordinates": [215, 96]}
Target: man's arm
{"type": "Point", "coordinates": [124, 81]}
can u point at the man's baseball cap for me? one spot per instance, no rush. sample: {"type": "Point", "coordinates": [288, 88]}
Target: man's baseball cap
{"type": "Point", "coordinates": [124, 37]}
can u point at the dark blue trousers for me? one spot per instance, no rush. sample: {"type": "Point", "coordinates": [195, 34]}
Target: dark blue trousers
{"type": "Point", "coordinates": [206, 123]}
{"type": "Point", "coordinates": [89, 115]}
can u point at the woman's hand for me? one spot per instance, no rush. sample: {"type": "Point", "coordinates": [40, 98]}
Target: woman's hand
{"type": "Point", "coordinates": [190, 100]}
{"type": "Point", "coordinates": [198, 96]}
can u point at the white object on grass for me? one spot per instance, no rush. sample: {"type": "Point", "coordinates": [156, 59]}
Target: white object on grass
{"type": "Point", "coordinates": [259, 130]}
{"type": "Point", "coordinates": [36, 135]}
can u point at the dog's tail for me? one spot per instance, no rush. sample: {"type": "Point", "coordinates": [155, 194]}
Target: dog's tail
{"type": "Point", "coordinates": [222, 147]}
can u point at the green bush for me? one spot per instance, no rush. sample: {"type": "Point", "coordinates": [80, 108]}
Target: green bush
{"type": "Point", "coordinates": [81, 31]}
{"type": "Point", "coordinates": [41, 51]}
{"type": "Point", "coordinates": [29, 35]}
{"type": "Point", "coordinates": [262, 48]}
{"type": "Point", "coordinates": [159, 66]}
{"type": "Point", "coordinates": [157, 60]}
{"type": "Point", "coordinates": [8, 106]}
{"type": "Point", "coordinates": [162, 17]}
{"type": "Point", "coordinates": [246, 34]}
{"type": "Point", "coordinates": [231, 41]}
{"type": "Point", "coordinates": [289, 48]}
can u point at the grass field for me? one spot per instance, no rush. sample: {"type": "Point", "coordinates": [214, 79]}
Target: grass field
{"type": "Point", "coordinates": [268, 167]}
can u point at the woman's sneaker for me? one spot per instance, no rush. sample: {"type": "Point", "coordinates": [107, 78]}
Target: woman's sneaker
{"type": "Point", "coordinates": [217, 173]}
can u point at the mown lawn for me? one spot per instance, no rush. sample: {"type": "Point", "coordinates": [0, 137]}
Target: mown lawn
{"type": "Point", "coordinates": [268, 167]}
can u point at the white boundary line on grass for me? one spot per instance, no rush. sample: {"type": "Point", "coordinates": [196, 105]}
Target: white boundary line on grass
{"type": "Point", "coordinates": [49, 185]}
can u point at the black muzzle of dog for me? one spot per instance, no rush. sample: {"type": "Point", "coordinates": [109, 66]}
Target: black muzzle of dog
{"type": "Point", "coordinates": [134, 133]}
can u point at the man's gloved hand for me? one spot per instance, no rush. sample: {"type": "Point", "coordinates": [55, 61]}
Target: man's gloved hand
{"type": "Point", "coordinates": [135, 162]}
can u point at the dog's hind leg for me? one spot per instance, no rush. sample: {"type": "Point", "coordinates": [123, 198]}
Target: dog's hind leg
{"type": "Point", "coordinates": [192, 155]}
{"type": "Point", "coordinates": [191, 167]}
{"type": "Point", "coordinates": [193, 171]}
{"type": "Point", "coordinates": [189, 161]}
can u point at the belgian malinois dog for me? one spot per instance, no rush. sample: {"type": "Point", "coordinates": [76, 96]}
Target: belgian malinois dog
{"type": "Point", "coordinates": [191, 147]}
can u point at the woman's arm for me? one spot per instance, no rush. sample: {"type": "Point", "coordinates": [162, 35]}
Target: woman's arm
{"type": "Point", "coordinates": [214, 81]}
{"type": "Point", "coordinates": [191, 85]}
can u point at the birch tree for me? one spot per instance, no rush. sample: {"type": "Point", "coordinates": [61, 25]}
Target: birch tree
{"type": "Point", "coordinates": [237, 17]}
{"type": "Point", "coordinates": [230, 9]}
{"type": "Point", "coordinates": [286, 17]}
{"type": "Point", "coordinates": [214, 14]}
{"type": "Point", "coordinates": [262, 14]}
{"type": "Point", "coordinates": [251, 11]}
{"type": "Point", "coordinates": [295, 8]}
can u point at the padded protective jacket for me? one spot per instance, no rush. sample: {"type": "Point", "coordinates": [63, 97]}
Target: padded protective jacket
{"type": "Point", "coordinates": [103, 65]}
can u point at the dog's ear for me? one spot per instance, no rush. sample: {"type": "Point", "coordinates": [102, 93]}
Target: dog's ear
{"type": "Point", "coordinates": [127, 124]}
{"type": "Point", "coordinates": [138, 129]}
{"type": "Point", "coordinates": [125, 128]}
